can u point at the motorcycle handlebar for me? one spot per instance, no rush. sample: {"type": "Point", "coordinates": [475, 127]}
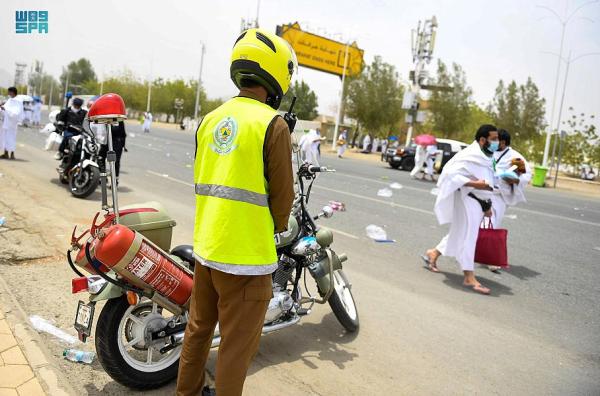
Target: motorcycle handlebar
{"type": "Point", "coordinates": [315, 169]}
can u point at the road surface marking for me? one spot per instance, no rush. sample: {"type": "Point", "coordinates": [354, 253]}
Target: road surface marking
{"type": "Point", "coordinates": [144, 147]}
{"type": "Point", "coordinates": [535, 212]}
{"type": "Point", "coordinates": [404, 186]}
{"type": "Point", "coordinates": [340, 232]}
{"type": "Point", "coordinates": [170, 178]}
{"type": "Point", "coordinates": [392, 204]}
{"type": "Point", "coordinates": [191, 185]}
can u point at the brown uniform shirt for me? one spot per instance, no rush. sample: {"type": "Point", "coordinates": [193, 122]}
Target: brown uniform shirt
{"type": "Point", "coordinates": [277, 155]}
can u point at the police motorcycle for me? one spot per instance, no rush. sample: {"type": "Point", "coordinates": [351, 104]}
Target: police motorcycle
{"type": "Point", "coordinates": [79, 164]}
{"type": "Point", "coordinates": [146, 286]}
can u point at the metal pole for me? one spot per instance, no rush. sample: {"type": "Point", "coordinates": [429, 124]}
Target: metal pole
{"type": "Point", "coordinates": [199, 84]}
{"type": "Point", "coordinates": [562, 100]}
{"type": "Point", "coordinates": [339, 112]}
{"type": "Point", "coordinates": [150, 84]}
{"type": "Point", "coordinates": [67, 88]}
{"type": "Point", "coordinates": [50, 98]}
{"type": "Point", "coordinates": [559, 158]}
{"type": "Point", "coordinates": [111, 157]}
{"type": "Point", "coordinates": [549, 132]}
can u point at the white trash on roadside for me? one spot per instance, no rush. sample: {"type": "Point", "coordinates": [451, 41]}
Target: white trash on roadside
{"type": "Point", "coordinates": [511, 216]}
{"type": "Point", "coordinates": [375, 232]}
{"type": "Point", "coordinates": [435, 191]}
{"type": "Point", "coordinates": [41, 324]}
{"type": "Point", "coordinates": [131, 135]}
{"type": "Point", "coordinates": [396, 186]}
{"type": "Point", "coordinates": [77, 356]}
{"type": "Point", "coordinates": [385, 192]}
{"type": "Point", "coordinates": [2, 221]}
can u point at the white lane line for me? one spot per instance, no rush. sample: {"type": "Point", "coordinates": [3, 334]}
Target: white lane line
{"type": "Point", "coordinates": [535, 212]}
{"type": "Point", "coordinates": [144, 147]}
{"type": "Point", "coordinates": [340, 232]}
{"type": "Point", "coordinates": [161, 175]}
{"type": "Point", "coordinates": [404, 186]}
{"type": "Point", "coordinates": [392, 204]}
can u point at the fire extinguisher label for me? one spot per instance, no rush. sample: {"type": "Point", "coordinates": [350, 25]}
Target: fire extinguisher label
{"type": "Point", "coordinates": [157, 271]}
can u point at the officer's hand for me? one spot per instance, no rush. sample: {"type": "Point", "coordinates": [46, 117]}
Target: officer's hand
{"type": "Point", "coordinates": [125, 149]}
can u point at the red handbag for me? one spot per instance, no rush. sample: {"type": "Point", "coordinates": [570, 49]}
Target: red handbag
{"type": "Point", "coordinates": [491, 246]}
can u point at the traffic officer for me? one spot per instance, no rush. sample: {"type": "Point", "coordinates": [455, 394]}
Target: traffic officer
{"type": "Point", "coordinates": [244, 193]}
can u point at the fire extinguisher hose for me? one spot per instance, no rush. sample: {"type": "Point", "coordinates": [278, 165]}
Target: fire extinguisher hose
{"type": "Point", "coordinates": [70, 260]}
{"type": "Point", "coordinates": [96, 265]}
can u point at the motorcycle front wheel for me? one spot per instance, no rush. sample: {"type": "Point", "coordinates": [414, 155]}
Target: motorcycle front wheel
{"type": "Point", "coordinates": [83, 182]}
{"type": "Point", "coordinates": [124, 349]}
{"type": "Point", "coordinates": [342, 302]}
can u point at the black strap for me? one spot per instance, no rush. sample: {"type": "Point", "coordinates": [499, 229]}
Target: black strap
{"type": "Point", "coordinates": [503, 154]}
{"type": "Point", "coordinates": [486, 204]}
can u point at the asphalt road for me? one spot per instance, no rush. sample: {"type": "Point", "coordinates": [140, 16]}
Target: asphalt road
{"type": "Point", "coordinates": [538, 333]}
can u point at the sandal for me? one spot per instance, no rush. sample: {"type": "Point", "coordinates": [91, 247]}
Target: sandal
{"type": "Point", "coordinates": [429, 265]}
{"type": "Point", "coordinates": [479, 288]}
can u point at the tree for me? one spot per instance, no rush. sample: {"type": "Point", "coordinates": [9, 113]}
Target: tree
{"type": "Point", "coordinates": [450, 110]}
{"type": "Point", "coordinates": [582, 141]}
{"type": "Point", "coordinates": [521, 111]}
{"type": "Point", "coordinates": [375, 97]}
{"type": "Point", "coordinates": [306, 101]}
{"type": "Point", "coordinates": [78, 73]}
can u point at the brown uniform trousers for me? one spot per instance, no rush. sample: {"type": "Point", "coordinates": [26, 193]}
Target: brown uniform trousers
{"type": "Point", "coordinates": [238, 303]}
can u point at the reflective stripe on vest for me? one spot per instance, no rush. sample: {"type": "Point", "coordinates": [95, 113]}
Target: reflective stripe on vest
{"type": "Point", "coordinates": [232, 193]}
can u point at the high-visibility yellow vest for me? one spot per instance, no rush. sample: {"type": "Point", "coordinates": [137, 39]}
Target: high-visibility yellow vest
{"type": "Point", "coordinates": [233, 221]}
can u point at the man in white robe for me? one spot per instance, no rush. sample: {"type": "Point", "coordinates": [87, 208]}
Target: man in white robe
{"type": "Point", "coordinates": [431, 152]}
{"type": "Point", "coordinates": [511, 183]}
{"type": "Point", "coordinates": [342, 142]}
{"type": "Point", "coordinates": [310, 147]}
{"type": "Point", "coordinates": [37, 112]}
{"type": "Point", "coordinates": [147, 122]}
{"type": "Point", "coordinates": [420, 157]}
{"type": "Point", "coordinates": [12, 111]}
{"type": "Point", "coordinates": [464, 198]}
{"type": "Point", "coordinates": [365, 143]}
{"type": "Point", "coordinates": [375, 145]}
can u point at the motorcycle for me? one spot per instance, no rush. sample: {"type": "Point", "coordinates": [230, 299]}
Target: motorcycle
{"type": "Point", "coordinates": [79, 164]}
{"type": "Point", "coordinates": [140, 330]}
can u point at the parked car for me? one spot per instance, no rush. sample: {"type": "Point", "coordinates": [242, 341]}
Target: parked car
{"type": "Point", "coordinates": [404, 157]}
{"type": "Point", "coordinates": [587, 173]}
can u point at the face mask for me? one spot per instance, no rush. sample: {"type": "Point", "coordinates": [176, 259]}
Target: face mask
{"type": "Point", "coordinates": [493, 146]}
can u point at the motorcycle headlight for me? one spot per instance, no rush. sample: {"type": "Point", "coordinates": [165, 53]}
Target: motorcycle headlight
{"type": "Point", "coordinates": [91, 147]}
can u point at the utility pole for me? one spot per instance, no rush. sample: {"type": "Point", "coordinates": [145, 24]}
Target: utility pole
{"type": "Point", "coordinates": [50, 96]}
{"type": "Point", "coordinates": [150, 84]}
{"type": "Point", "coordinates": [340, 105]}
{"type": "Point", "coordinates": [199, 84]}
{"type": "Point", "coordinates": [568, 61]}
{"type": "Point", "coordinates": [564, 22]}
{"type": "Point", "coordinates": [423, 42]}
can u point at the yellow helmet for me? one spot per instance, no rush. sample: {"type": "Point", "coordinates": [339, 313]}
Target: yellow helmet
{"type": "Point", "coordinates": [265, 59]}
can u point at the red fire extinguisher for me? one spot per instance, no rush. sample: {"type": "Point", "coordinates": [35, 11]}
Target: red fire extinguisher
{"type": "Point", "coordinates": [143, 264]}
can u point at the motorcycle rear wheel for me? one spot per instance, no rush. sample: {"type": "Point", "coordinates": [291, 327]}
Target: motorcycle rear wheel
{"type": "Point", "coordinates": [342, 303]}
{"type": "Point", "coordinates": [115, 325]}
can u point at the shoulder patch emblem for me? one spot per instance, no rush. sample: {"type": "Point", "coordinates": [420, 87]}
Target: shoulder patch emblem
{"type": "Point", "coordinates": [224, 136]}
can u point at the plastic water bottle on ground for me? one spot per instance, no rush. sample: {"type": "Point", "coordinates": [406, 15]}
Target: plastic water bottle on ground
{"type": "Point", "coordinates": [79, 356]}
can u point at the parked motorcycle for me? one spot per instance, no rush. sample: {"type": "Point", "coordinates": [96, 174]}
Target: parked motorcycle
{"type": "Point", "coordinates": [140, 329]}
{"type": "Point", "coordinates": [79, 164]}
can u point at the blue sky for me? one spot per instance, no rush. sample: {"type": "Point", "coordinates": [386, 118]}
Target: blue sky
{"type": "Point", "coordinates": [492, 40]}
